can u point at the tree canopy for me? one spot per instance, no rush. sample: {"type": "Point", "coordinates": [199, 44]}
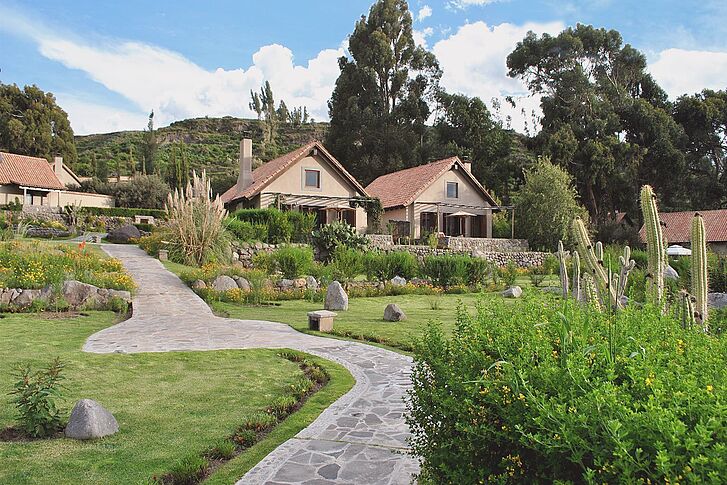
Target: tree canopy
{"type": "Point", "coordinates": [31, 123]}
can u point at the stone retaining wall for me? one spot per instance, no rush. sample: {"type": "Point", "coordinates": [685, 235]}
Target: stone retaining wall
{"type": "Point", "coordinates": [486, 244]}
{"type": "Point", "coordinates": [76, 295]}
{"type": "Point", "coordinates": [524, 259]}
{"type": "Point", "coordinates": [245, 252]}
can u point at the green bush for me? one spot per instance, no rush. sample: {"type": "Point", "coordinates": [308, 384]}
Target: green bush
{"type": "Point", "coordinates": [537, 392]}
{"type": "Point", "coordinates": [123, 212]}
{"type": "Point", "coordinates": [446, 270]}
{"type": "Point", "coordinates": [293, 261]}
{"type": "Point", "coordinates": [303, 225]}
{"type": "Point", "coordinates": [478, 270]}
{"type": "Point", "coordinates": [346, 263]}
{"type": "Point", "coordinates": [35, 399]}
{"type": "Point", "coordinates": [282, 226]}
{"type": "Point", "coordinates": [717, 273]}
{"type": "Point", "coordinates": [222, 450]}
{"type": "Point", "coordinates": [189, 470]}
{"type": "Point", "coordinates": [247, 231]}
{"type": "Point", "coordinates": [380, 266]}
{"type": "Point", "coordinates": [509, 273]}
{"type": "Point", "coordinates": [330, 236]}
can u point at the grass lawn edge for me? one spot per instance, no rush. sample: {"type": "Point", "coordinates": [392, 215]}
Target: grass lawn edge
{"type": "Point", "coordinates": [341, 381]}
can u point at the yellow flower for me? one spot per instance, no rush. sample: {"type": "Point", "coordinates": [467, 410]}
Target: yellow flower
{"type": "Point", "coordinates": [710, 388]}
{"type": "Point", "coordinates": [650, 379]}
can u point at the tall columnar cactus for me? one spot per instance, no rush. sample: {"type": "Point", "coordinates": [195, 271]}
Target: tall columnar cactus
{"type": "Point", "coordinates": [576, 276]}
{"type": "Point", "coordinates": [655, 246]}
{"type": "Point", "coordinates": [562, 255]}
{"type": "Point", "coordinates": [590, 292]}
{"type": "Point", "coordinates": [686, 309]}
{"type": "Point", "coordinates": [594, 265]}
{"type": "Point", "coordinates": [700, 285]}
{"type": "Point", "coordinates": [627, 264]}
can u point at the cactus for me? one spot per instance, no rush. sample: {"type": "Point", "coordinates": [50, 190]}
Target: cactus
{"type": "Point", "coordinates": [594, 265]}
{"type": "Point", "coordinates": [562, 255]}
{"type": "Point", "coordinates": [598, 251]}
{"type": "Point", "coordinates": [627, 264]}
{"type": "Point", "coordinates": [576, 276]}
{"type": "Point", "coordinates": [700, 285]}
{"type": "Point", "coordinates": [686, 309]}
{"type": "Point", "coordinates": [590, 292]}
{"type": "Point", "coordinates": [655, 246]}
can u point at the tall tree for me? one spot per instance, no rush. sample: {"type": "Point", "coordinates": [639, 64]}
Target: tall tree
{"type": "Point", "coordinates": [102, 168]}
{"type": "Point", "coordinates": [379, 105]}
{"type": "Point", "coordinates": [283, 113]}
{"type": "Point", "coordinates": [149, 147]}
{"type": "Point", "coordinates": [604, 118]}
{"type": "Point", "coordinates": [704, 120]}
{"type": "Point", "coordinates": [31, 123]}
{"type": "Point", "coordinates": [256, 104]}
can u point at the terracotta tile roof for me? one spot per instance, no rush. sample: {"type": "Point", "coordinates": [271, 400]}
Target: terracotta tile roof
{"type": "Point", "coordinates": [267, 172]}
{"type": "Point", "coordinates": [28, 172]}
{"type": "Point", "coordinates": [399, 189]}
{"type": "Point", "coordinates": [677, 226]}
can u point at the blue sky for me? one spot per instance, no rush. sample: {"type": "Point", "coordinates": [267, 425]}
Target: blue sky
{"type": "Point", "coordinates": [109, 63]}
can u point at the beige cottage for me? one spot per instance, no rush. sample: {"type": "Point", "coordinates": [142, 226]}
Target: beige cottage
{"type": "Point", "coordinates": [438, 197]}
{"type": "Point", "coordinates": [307, 179]}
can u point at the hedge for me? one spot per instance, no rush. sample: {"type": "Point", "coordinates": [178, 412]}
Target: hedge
{"type": "Point", "coordinates": [124, 212]}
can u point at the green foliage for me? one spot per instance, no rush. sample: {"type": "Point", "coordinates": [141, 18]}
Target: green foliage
{"type": "Point", "coordinates": [148, 191]}
{"type": "Point", "coordinates": [445, 270]}
{"type": "Point", "coordinates": [247, 231]}
{"type": "Point", "coordinates": [717, 273]}
{"type": "Point", "coordinates": [258, 422]}
{"type": "Point", "coordinates": [509, 273]}
{"type": "Point", "coordinates": [293, 261]}
{"type": "Point", "coordinates": [35, 398]}
{"type": "Point", "coordinates": [222, 450]}
{"type": "Point", "coordinates": [383, 266]}
{"type": "Point", "coordinates": [537, 392]}
{"type": "Point", "coordinates": [280, 226]}
{"type": "Point", "coordinates": [188, 471]}
{"type": "Point", "coordinates": [346, 263]}
{"type": "Point", "coordinates": [545, 206]}
{"type": "Point", "coordinates": [330, 236]}
{"type": "Point", "coordinates": [31, 123]}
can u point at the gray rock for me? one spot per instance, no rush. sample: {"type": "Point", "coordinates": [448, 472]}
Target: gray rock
{"type": "Point", "coordinates": [123, 294]}
{"type": "Point", "coordinates": [199, 285]}
{"type": "Point", "coordinates": [717, 300]}
{"type": "Point", "coordinates": [123, 234]}
{"type": "Point", "coordinates": [242, 283]}
{"type": "Point", "coordinates": [6, 296]}
{"type": "Point", "coordinates": [624, 300]}
{"type": "Point", "coordinates": [90, 420]}
{"type": "Point", "coordinates": [398, 281]}
{"type": "Point", "coordinates": [552, 289]}
{"type": "Point", "coordinates": [670, 273]}
{"type": "Point", "coordinates": [392, 313]}
{"type": "Point", "coordinates": [224, 283]}
{"type": "Point", "coordinates": [419, 281]}
{"type": "Point", "coordinates": [513, 292]}
{"type": "Point", "coordinates": [336, 297]}
{"type": "Point", "coordinates": [311, 283]}
{"type": "Point", "coordinates": [26, 297]}
{"type": "Point", "coordinates": [235, 255]}
{"type": "Point", "coordinates": [285, 284]}
{"type": "Point", "coordinates": [78, 294]}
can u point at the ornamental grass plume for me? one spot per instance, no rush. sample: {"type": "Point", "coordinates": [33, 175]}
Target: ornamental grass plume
{"type": "Point", "coordinates": [196, 223]}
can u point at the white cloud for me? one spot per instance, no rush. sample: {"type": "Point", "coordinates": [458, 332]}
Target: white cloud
{"type": "Point", "coordinates": [681, 71]}
{"type": "Point", "coordinates": [424, 12]}
{"type": "Point", "coordinates": [173, 86]}
{"type": "Point", "coordinates": [420, 36]}
{"type": "Point", "coordinates": [87, 117]}
{"type": "Point", "coordinates": [473, 60]}
{"type": "Point", "coordinates": [462, 4]}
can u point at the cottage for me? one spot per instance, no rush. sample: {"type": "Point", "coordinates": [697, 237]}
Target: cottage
{"type": "Point", "coordinates": [677, 228]}
{"type": "Point", "coordinates": [307, 179]}
{"type": "Point", "coordinates": [441, 196]}
{"type": "Point", "coordinates": [37, 184]}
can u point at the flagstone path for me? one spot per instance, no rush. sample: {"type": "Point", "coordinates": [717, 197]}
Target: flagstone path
{"type": "Point", "coordinates": [359, 439]}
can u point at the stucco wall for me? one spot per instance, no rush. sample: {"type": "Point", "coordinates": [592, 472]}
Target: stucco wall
{"type": "Point", "coordinates": [8, 193]}
{"type": "Point", "coordinates": [85, 200]}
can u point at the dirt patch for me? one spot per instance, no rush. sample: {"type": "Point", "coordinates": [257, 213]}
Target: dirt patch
{"type": "Point", "coordinates": [17, 435]}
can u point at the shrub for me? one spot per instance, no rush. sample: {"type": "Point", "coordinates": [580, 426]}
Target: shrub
{"type": "Point", "coordinates": [717, 265]}
{"type": "Point", "coordinates": [282, 406]}
{"type": "Point", "coordinates": [152, 243]}
{"type": "Point", "coordinates": [303, 225]}
{"type": "Point", "coordinates": [537, 275]}
{"type": "Point", "coordinates": [346, 263]}
{"type": "Point", "coordinates": [330, 236]}
{"type": "Point", "coordinates": [123, 212]}
{"type": "Point", "coordinates": [281, 226]}
{"type": "Point", "coordinates": [478, 270]}
{"type": "Point", "coordinates": [247, 231]}
{"type": "Point", "coordinates": [258, 422]}
{"type": "Point", "coordinates": [222, 450]}
{"type": "Point", "coordinates": [244, 438]}
{"type": "Point", "coordinates": [280, 229]}
{"type": "Point", "coordinates": [189, 470]}
{"type": "Point", "coordinates": [541, 393]}
{"type": "Point", "coordinates": [509, 273]}
{"type": "Point", "coordinates": [35, 399]}
{"type": "Point", "coordinates": [379, 266]}
{"type": "Point", "coordinates": [195, 226]}
{"type": "Point", "coordinates": [446, 270]}
{"type": "Point", "coordinates": [142, 191]}
{"type": "Point", "coordinates": [293, 261]}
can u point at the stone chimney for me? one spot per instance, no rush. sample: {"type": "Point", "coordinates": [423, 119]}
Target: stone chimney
{"type": "Point", "coordinates": [57, 165]}
{"type": "Point", "coordinates": [245, 179]}
{"type": "Point", "coordinates": [467, 165]}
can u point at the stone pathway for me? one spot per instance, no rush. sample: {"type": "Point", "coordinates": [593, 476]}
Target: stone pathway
{"type": "Point", "coordinates": [359, 439]}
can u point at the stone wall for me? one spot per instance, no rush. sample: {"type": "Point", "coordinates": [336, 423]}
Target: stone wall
{"type": "Point", "coordinates": [75, 294]}
{"type": "Point", "coordinates": [487, 244]}
{"type": "Point", "coordinates": [380, 241]}
{"type": "Point", "coordinates": [245, 252]}
{"type": "Point", "coordinates": [524, 259]}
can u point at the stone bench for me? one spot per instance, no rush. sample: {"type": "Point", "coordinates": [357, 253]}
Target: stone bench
{"type": "Point", "coordinates": [321, 320]}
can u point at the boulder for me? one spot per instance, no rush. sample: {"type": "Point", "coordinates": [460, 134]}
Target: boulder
{"type": "Point", "coordinates": [90, 420]}
{"type": "Point", "coordinates": [670, 273]}
{"type": "Point", "coordinates": [398, 281]}
{"type": "Point", "coordinates": [123, 294]}
{"type": "Point", "coordinates": [223, 283]}
{"type": "Point", "coordinates": [26, 297]}
{"type": "Point", "coordinates": [299, 283]}
{"type": "Point", "coordinates": [285, 284]}
{"type": "Point", "coordinates": [78, 294]}
{"type": "Point", "coordinates": [336, 297]}
{"type": "Point", "coordinates": [717, 300]}
{"type": "Point", "coordinates": [199, 285]}
{"type": "Point", "coordinates": [5, 296]}
{"type": "Point", "coordinates": [392, 313]}
{"type": "Point", "coordinates": [311, 283]}
{"type": "Point", "coordinates": [513, 292]}
{"type": "Point", "coordinates": [419, 281]}
{"type": "Point", "coordinates": [242, 283]}
{"type": "Point", "coordinates": [123, 234]}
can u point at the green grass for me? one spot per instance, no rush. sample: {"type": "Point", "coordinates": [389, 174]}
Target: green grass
{"type": "Point", "coordinates": [168, 405]}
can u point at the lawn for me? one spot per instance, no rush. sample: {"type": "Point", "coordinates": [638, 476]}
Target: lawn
{"type": "Point", "coordinates": [168, 405]}
{"type": "Point", "coordinates": [365, 315]}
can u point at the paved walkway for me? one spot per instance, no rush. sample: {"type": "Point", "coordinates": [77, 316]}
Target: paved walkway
{"type": "Point", "coordinates": [360, 439]}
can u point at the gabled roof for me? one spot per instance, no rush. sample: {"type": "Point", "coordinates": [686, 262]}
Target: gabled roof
{"type": "Point", "coordinates": [677, 226]}
{"type": "Point", "coordinates": [268, 172]}
{"type": "Point", "coordinates": [28, 172]}
{"type": "Point", "coordinates": [399, 189]}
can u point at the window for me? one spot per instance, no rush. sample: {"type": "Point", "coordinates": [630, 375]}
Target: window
{"type": "Point", "coordinates": [452, 190]}
{"type": "Point", "coordinates": [313, 179]}
{"type": "Point", "coordinates": [428, 222]}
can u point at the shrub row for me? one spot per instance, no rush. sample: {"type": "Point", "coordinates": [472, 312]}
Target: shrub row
{"type": "Point", "coordinates": [124, 212]}
{"type": "Point", "coordinates": [271, 225]}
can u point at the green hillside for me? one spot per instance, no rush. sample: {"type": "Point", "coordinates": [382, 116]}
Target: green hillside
{"type": "Point", "coordinates": [209, 143]}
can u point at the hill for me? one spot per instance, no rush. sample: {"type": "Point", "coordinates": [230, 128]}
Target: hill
{"type": "Point", "coordinates": [209, 143]}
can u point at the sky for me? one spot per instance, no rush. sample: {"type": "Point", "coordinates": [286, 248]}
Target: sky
{"type": "Point", "coordinates": [110, 63]}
